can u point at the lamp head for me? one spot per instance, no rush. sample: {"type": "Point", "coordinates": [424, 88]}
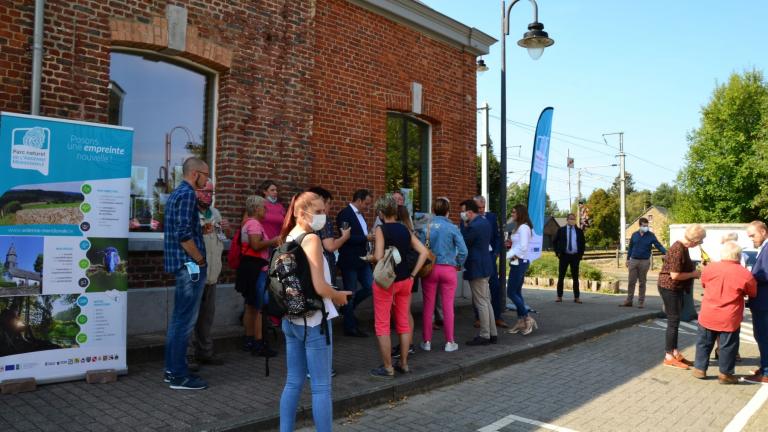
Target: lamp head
{"type": "Point", "coordinates": [535, 40]}
{"type": "Point", "coordinates": [481, 67]}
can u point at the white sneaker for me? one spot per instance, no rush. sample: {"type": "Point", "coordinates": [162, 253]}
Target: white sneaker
{"type": "Point", "coordinates": [426, 346]}
{"type": "Point", "coordinates": [451, 346]}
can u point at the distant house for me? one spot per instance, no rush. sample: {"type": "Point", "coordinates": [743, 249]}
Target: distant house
{"type": "Point", "coordinates": [12, 273]}
{"type": "Point", "coordinates": [658, 217]}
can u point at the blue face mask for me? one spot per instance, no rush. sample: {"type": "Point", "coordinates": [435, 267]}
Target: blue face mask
{"type": "Point", "coordinates": [194, 270]}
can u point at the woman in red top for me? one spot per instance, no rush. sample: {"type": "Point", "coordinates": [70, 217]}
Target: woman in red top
{"type": "Point", "coordinates": [722, 308]}
{"type": "Point", "coordinates": [275, 212]}
{"type": "Point", "coordinates": [675, 278]}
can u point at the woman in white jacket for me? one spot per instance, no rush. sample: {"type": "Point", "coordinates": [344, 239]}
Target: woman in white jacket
{"type": "Point", "coordinates": [518, 265]}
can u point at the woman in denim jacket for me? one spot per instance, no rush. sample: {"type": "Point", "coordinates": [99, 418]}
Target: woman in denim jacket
{"type": "Point", "coordinates": [446, 243]}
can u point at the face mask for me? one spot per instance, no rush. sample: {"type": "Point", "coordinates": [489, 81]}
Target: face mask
{"type": "Point", "coordinates": [194, 270]}
{"type": "Point", "coordinates": [272, 199]}
{"type": "Point", "coordinates": [463, 215]}
{"type": "Point", "coordinates": [318, 222]}
{"type": "Point", "coordinates": [644, 229]}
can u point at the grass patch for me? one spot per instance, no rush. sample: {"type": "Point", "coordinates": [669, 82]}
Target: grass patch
{"type": "Point", "coordinates": [547, 266]}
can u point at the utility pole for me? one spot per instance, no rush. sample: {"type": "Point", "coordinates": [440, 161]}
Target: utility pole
{"type": "Point", "coordinates": [623, 219]}
{"type": "Point", "coordinates": [484, 155]}
{"type": "Point", "coordinates": [570, 165]}
{"type": "Point", "coordinates": [578, 197]}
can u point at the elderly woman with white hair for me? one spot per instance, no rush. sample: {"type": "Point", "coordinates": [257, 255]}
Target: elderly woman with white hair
{"type": "Point", "coordinates": [722, 308]}
{"type": "Point", "coordinates": [676, 278]}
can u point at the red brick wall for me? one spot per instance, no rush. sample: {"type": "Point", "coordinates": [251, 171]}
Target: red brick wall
{"type": "Point", "coordinates": [303, 89]}
{"type": "Point", "coordinates": [364, 67]}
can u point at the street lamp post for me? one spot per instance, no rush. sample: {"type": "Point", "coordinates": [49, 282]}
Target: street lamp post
{"type": "Point", "coordinates": [535, 40]}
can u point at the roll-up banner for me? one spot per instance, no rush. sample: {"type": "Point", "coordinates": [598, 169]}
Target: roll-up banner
{"type": "Point", "coordinates": [64, 207]}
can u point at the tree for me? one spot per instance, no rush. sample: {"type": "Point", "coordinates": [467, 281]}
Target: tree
{"type": "Point", "coordinates": [665, 196]}
{"type": "Point", "coordinates": [720, 181]}
{"type": "Point", "coordinates": [604, 228]}
{"type": "Point", "coordinates": [517, 193]}
{"type": "Point", "coordinates": [637, 203]}
{"type": "Point", "coordinates": [494, 180]}
{"type": "Point", "coordinates": [39, 263]}
{"type": "Point", "coordinates": [629, 185]}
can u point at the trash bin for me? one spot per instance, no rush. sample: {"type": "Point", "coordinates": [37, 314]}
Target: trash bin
{"type": "Point", "coordinates": [689, 307]}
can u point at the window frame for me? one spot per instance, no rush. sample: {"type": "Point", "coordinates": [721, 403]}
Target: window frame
{"type": "Point", "coordinates": [426, 154]}
{"type": "Point", "coordinates": [153, 241]}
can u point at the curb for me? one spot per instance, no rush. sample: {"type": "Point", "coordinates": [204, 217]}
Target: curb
{"type": "Point", "coordinates": [444, 377]}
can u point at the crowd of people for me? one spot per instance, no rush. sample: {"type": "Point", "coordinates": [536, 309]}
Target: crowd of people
{"type": "Point", "coordinates": [345, 246]}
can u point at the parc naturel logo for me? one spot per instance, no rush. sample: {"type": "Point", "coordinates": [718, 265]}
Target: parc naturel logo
{"type": "Point", "coordinates": [31, 149]}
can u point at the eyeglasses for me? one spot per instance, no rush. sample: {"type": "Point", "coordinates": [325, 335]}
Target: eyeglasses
{"type": "Point", "coordinates": [207, 174]}
{"type": "Point", "coordinates": [206, 191]}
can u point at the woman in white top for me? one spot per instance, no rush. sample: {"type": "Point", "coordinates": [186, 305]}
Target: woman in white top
{"type": "Point", "coordinates": [306, 348]}
{"type": "Point", "coordinates": [518, 265]}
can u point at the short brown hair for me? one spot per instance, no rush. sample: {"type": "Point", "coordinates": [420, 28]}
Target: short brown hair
{"type": "Point", "coordinates": [643, 221]}
{"type": "Point", "coordinates": [441, 206]}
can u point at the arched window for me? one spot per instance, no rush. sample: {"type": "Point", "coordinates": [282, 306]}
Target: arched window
{"type": "Point", "coordinates": [168, 105]}
{"type": "Point", "coordinates": [408, 159]}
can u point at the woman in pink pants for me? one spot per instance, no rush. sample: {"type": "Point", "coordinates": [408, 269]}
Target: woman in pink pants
{"type": "Point", "coordinates": [446, 242]}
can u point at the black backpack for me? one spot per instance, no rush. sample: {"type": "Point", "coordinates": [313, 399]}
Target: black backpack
{"type": "Point", "coordinates": [290, 286]}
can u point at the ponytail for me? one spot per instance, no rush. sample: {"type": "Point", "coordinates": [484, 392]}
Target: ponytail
{"type": "Point", "coordinates": [300, 201]}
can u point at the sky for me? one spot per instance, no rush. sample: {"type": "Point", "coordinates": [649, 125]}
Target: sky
{"type": "Point", "coordinates": [642, 68]}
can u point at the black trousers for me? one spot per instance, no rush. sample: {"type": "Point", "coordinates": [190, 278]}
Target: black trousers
{"type": "Point", "coordinates": [673, 304]}
{"type": "Point", "coordinates": [565, 261]}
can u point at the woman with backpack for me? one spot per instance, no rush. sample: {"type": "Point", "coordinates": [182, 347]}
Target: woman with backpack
{"type": "Point", "coordinates": [308, 347]}
{"type": "Point", "coordinates": [251, 274]}
{"type": "Point", "coordinates": [395, 300]}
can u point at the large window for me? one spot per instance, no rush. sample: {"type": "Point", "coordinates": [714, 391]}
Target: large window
{"type": "Point", "coordinates": [408, 158]}
{"type": "Point", "coordinates": [168, 107]}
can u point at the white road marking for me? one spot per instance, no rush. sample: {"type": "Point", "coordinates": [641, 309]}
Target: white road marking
{"type": "Point", "coordinates": [497, 425]}
{"type": "Point", "coordinates": [742, 417]}
{"type": "Point", "coordinates": [664, 329]}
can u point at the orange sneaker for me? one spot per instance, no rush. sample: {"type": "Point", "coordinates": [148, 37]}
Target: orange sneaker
{"type": "Point", "coordinates": [682, 359]}
{"type": "Point", "coordinates": [675, 363]}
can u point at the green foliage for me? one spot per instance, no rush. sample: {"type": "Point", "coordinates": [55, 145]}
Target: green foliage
{"type": "Point", "coordinates": [665, 196]}
{"type": "Point", "coordinates": [517, 193]}
{"type": "Point", "coordinates": [726, 160]}
{"type": "Point", "coordinates": [603, 233]}
{"type": "Point", "coordinates": [637, 203]}
{"type": "Point", "coordinates": [547, 266]}
{"type": "Point", "coordinates": [494, 181]}
{"type": "Point", "coordinates": [12, 207]}
{"type": "Point", "coordinates": [39, 263]}
{"type": "Point", "coordinates": [629, 185]}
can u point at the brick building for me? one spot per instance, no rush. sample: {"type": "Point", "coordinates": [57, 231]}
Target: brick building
{"type": "Point", "coordinates": [341, 93]}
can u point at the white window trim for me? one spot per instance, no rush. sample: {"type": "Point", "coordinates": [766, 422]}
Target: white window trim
{"type": "Point", "coordinates": [153, 241]}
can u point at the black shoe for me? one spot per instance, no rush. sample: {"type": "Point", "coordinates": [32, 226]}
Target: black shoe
{"type": "Point", "coordinates": [396, 351]}
{"type": "Point", "coordinates": [264, 351]}
{"type": "Point", "coordinates": [213, 360]}
{"type": "Point", "coordinates": [478, 341]}
{"type": "Point", "coordinates": [192, 364]}
{"type": "Point", "coordinates": [355, 333]}
{"type": "Point", "coordinates": [494, 340]}
{"type": "Point", "coordinates": [403, 370]}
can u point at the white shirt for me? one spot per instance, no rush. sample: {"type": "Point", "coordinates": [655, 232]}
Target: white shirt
{"type": "Point", "coordinates": [360, 218]}
{"type": "Point", "coordinates": [520, 239]}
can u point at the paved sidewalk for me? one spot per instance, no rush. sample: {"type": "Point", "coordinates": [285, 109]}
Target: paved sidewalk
{"type": "Point", "coordinates": [242, 398]}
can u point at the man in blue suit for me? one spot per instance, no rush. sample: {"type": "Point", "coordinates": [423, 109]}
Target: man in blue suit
{"type": "Point", "coordinates": [758, 305]}
{"type": "Point", "coordinates": [478, 268]}
{"type": "Point", "coordinates": [353, 268]}
{"type": "Point", "coordinates": [497, 302]}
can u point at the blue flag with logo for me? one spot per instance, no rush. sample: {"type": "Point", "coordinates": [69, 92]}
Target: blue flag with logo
{"type": "Point", "coordinates": [537, 192]}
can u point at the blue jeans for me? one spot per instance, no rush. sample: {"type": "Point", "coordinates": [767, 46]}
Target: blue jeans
{"type": "Point", "coordinates": [350, 278]}
{"type": "Point", "coordinates": [760, 327]}
{"type": "Point", "coordinates": [186, 305]}
{"type": "Point", "coordinates": [313, 357]}
{"type": "Point", "coordinates": [515, 286]}
{"type": "Point", "coordinates": [729, 347]}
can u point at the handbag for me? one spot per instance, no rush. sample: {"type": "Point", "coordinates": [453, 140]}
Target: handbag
{"type": "Point", "coordinates": [384, 272]}
{"type": "Point", "coordinates": [413, 257]}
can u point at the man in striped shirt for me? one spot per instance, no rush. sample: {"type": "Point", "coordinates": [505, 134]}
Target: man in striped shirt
{"type": "Point", "coordinates": [185, 258]}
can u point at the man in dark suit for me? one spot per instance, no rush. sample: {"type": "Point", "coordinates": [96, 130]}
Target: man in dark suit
{"type": "Point", "coordinates": [569, 247]}
{"type": "Point", "coordinates": [758, 305]}
{"type": "Point", "coordinates": [478, 268]}
{"type": "Point", "coordinates": [353, 268]}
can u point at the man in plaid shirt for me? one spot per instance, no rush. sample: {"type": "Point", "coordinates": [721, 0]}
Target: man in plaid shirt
{"type": "Point", "coordinates": [185, 258]}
